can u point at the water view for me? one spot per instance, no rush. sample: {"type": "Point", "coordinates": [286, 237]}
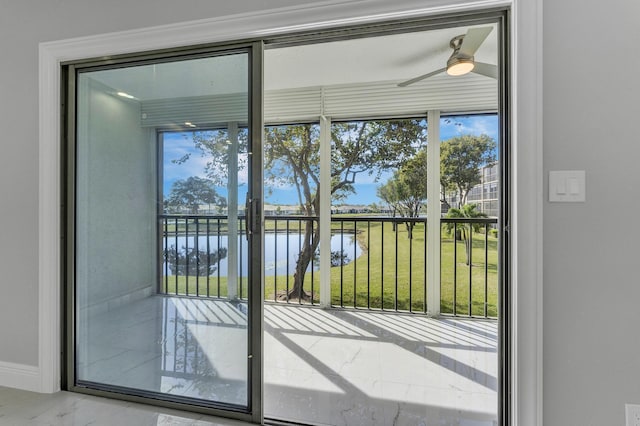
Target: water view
{"type": "Point", "coordinates": [281, 252]}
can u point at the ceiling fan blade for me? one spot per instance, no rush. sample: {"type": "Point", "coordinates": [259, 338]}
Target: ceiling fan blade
{"type": "Point", "coordinates": [473, 39]}
{"type": "Point", "coordinates": [488, 70]}
{"type": "Point", "coordinates": [421, 77]}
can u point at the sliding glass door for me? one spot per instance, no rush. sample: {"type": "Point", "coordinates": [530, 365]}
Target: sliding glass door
{"type": "Point", "coordinates": [342, 247]}
{"type": "Point", "coordinates": [162, 225]}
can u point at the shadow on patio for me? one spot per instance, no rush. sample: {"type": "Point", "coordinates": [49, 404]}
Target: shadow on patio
{"type": "Point", "coordinates": [344, 367]}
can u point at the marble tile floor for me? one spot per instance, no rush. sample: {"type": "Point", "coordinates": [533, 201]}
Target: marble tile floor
{"type": "Point", "coordinates": [348, 367]}
{"type": "Point", "coordinates": [22, 408]}
{"type": "Point", "coordinates": [179, 346]}
{"type": "Point", "coordinates": [329, 367]}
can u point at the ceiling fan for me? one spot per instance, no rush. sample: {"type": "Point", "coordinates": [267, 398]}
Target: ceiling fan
{"type": "Point", "coordinates": [461, 60]}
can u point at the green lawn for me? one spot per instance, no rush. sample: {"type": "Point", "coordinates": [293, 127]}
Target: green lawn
{"type": "Point", "coordinates": [381, 269]}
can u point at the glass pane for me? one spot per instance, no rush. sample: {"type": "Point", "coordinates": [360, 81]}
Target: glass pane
{"type": "Point", "coordinates": [291, 239]}
{"type": "Point", "coordinates": [469, 247]}
{"type": "Point", "coordinates": [161, 255]}
{"type": "Point", "coordinates": [379, 204]}
{"type": "Point", "coordinates": [373, 349]}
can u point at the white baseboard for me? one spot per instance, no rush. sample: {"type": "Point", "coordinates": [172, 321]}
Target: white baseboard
{"type": "Point", "coordinates": [20, 376]}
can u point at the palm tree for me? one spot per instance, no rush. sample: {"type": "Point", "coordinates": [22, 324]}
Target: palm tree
{"type": "Point", "coordinates": [468, 211]}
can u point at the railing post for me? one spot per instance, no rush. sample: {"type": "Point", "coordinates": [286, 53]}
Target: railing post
{"type": "Point", "coordinates": [433, 213]}
{"type": "Point", "coordinates": [232, 213]}
{"type": "Point", "coordinates": [324, 215]}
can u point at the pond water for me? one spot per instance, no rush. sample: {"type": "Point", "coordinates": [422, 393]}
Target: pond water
{"type": "Point", "coordinates": [280, 251]}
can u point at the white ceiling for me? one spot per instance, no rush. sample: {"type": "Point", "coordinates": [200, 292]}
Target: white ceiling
{"type": "Point", "coordinates": [168, 80]}
{"type": "Point", "coordinates": [395, 57]}
{"type": "Point", "coordinates": [385, 58]}
{"type": "Point", "coordinates": [348, 79]}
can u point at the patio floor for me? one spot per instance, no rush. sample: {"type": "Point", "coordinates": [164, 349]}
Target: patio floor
{"type": "Point", "coordinates": [336, 367]}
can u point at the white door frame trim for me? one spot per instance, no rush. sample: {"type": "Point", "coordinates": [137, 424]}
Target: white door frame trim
{"type": "Point", "coordinates": [526, 120]}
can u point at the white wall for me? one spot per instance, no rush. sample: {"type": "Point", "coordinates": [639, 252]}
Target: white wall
{"type": "Point", "coordinates": [116, 204]}
{"type": "Point", "coordinates": [591, 250]}
{"type": "Point", "coordinates": [591, 287]}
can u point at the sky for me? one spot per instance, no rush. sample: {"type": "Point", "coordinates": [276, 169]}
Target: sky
{"type": "Point", "coordinates": [178, 144]}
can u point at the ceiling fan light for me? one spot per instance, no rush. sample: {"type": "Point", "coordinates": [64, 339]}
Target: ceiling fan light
{"type": "Point", "coordinates": [459, 66]}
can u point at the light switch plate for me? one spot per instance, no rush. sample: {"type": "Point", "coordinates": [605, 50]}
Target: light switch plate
{"type": "Point", "coordinates": [568, 186]}
{"type": "Point", "coordinates": [632, 412]}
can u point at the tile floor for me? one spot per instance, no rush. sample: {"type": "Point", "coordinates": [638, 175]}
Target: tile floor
{"type": "Point", "coordinates": [345, 367]}
{"type": "Point", "coordinates": [335, 367]}
{"type": "Point", "coordinates": [21, 408]}
{"type": "Point", "coordinates": [179, 346]}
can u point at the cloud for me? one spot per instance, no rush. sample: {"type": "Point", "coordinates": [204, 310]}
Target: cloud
{"type": "Point", "coordinates": [179, 145]}
{"type": "Point", "coordinates": [469, 125]}
{"type": "Point", "coordinates": [175, 147]}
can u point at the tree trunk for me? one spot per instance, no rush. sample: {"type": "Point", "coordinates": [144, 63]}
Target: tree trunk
{"type": "Point", "coordinates": [409, 226]}
{"type": "Point", "coordinates": [467, 248]}
{"type": "Point", "coordinates": [445, 203]}
{"type": "Point", "coordinates": [310, 243]}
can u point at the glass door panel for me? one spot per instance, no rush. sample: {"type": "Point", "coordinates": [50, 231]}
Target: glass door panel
{"type": "Point", "coordinates": [405, 230]}
{"type": "Point", "coordinates": [161, 249]}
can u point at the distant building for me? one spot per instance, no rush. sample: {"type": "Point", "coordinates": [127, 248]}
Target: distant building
{"type": "Point", "coordinates": [350, 209]}
{"type": "Point", "coordinates": [485, 194]}
{"type": "Point", "coordinates": [282, 209]}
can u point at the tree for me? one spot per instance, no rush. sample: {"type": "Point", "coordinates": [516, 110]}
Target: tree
{"type": "Point", "coordinates": [388, 192]}
{"type": "Point", "coordinates": [460, 161]}
{"type": "Point", "coordinates": [190, 193]}
{"type": "Point", "coordinates": [216, 146]}
{"type": "Point", "coordinates": [468, 211]}
{"type": "Point", "coordinates": [406, 191]}
{"type": "Point", "coordinates": [292, 156]}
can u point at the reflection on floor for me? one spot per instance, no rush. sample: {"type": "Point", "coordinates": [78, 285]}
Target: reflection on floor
{"type": "Point", "coordinates": [186, 347]}
{"type": "Point", "coordinates": [336, 367]}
